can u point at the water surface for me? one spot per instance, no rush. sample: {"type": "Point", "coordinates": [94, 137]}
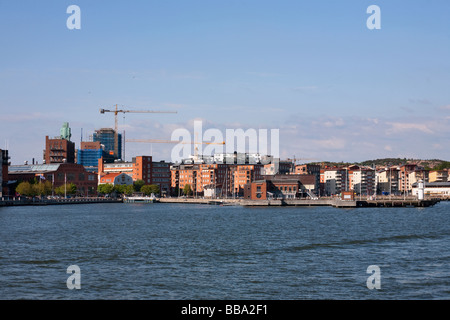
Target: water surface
{"type": "Point", "coordinates": [187, 251]}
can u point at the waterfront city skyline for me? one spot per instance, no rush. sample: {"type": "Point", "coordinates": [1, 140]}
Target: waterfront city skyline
{"type": "Point", "coordinates": [336, 90]}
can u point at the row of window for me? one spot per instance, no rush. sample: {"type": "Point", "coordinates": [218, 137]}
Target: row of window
{"type": "Point", "coordinates": [161, 180]}
{"type": "Point", "coordinates": [71, 177]}
{"type": "Point", "coordinates": [286, 188]}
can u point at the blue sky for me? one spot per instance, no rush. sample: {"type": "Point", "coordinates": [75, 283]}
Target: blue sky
{"type": "Point", "coordinates": [312, 69]}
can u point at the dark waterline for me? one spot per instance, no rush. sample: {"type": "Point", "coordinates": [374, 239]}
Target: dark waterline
{"type": "Point", "coordinates": [172, 251]}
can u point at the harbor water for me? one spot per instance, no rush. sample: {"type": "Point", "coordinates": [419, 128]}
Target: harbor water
{"type": "Point", "coordinates": [164, 251]}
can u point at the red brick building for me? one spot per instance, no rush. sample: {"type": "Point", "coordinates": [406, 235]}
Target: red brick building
{"type": "Point", "coordinates": [141, 168]}
{"type": "Point", "coordinates": [59, 150]}
{"type": "Point", "coordinates": [281, 187]}
{"type": "Point", "coordinates": [231, 178]}
{"type": "Point", "coordinates": [4, 163]}
{"type": "Point", "coordinates": [58, 175]}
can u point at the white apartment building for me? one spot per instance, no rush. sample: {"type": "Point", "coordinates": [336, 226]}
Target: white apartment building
{"type": "Point", "coordinates": [363, 180]}
{"type": "Point", "coordinates": [335, 181]}
{"type": "Point", "coordinates": [387, 180]}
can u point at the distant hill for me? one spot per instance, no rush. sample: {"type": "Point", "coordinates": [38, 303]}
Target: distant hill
{"type": "Point", "coordinates": [432, 164]}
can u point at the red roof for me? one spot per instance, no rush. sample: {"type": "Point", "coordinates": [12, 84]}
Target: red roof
{"type": "Point", "coordinates": [110, 176]}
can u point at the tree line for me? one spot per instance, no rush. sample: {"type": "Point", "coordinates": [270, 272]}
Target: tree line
{"type": "Point", "coordinates": [45, 188]}
{"type": "Point", "coordinates": [137, 186]}
{"type": "Point", "coordinates": [31, 189]}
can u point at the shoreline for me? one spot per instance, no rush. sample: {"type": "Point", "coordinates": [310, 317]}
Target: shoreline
{"type": "Point", "coordinates": [334, 202]}
{"type": "Point", "coordinates": [47, 202]}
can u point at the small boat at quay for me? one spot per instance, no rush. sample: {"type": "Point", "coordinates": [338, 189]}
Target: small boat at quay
{"type": "Point", "coordinates": [140, 199]}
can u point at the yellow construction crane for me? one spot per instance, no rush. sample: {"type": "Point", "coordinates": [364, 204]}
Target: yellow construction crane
{"type": "Point", "coordinates": [116, 111]}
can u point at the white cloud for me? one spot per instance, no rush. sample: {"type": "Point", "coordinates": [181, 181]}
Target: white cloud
{"type": "Point", "coordinates": [331, 143]}
{"type": "Point", "coordinates": [334, 123]}
{"type": "Point", "coordinates": [399, 127]}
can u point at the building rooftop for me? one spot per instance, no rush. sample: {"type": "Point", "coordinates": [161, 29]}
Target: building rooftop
{"type": "Point", "coordinates": [291, 178]}
{"type": "Point", "coordinates": [434, 184]}
{"type": "Point", "coordinates": [112, 174]}
{"type": "Point", "coordinates": [33, 168]}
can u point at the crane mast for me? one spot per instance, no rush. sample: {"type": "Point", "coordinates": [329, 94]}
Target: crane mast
{"type": "Point", "coordinates": [116, 112]}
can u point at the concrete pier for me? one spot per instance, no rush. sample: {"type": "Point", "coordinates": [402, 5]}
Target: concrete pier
{"type": "Point", "coordinates": [301, 203]}
{"type": "Point", "coordinates": [46, 202]}
{"type": "Point", "coordinates": [337, 203]}
{"type": "Point", "coordinates": [334, 202]}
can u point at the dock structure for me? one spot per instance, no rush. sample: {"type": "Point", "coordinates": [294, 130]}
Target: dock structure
{"type": "Point", "coordinates": [46, 202]}
{"type": "Point", "coordinates": [333, 202]}
{"type": "Point", "coordinates": [397, 203]}
{"type": "Point", "coordinates": [201, 201]}
{"type": "Point", "coordinates": [338, 203]}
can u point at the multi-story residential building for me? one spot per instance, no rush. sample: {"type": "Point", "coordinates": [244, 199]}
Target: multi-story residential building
{"type": "Point", "coordinates": [335, 180]}
{"type": "Point", "coordinates": [403, 177]}
{"type": "Point", "coordinates": [141, 168]}
{"type": "Point", "coordinates": [307, 169]}
{"type": "Point", "coordinates": [387, 180]}
{"type": "Point", "coordinates": [244, 174]}
{"type": "Point", "coordinates": [185, 174]}
{"type": "Point", "coordinates": [160, 176]}
{"type": "Point", "coordinates": [362, 180]}
{"type": "Point", "coordinates": [231, 178]}
{"type": "Point", "coordinates": [415, 176]}
{"type": "Point", "coordinates": [321, 190]}
{"type": "Point", "coordinates": [115, 167]}
{"type": "Point", "coordinates": [438, 176]}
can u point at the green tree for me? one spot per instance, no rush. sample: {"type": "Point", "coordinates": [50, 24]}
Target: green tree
{"type": "Point", "coordinates": [154, 188]}
{"type": "Point", "coordinates": [106, 188]}
{"type": "Point", "coordinates": [442, 166]}
{"type": "Point", "coordinates": [25, 189]}
{"type": "Point", "coordinates": [128, 190]}
{"type": "Point", "coordinates": [138, 184]}
{"type": "Point", "coordinates": [68, 188]}
{"type": "Point", "coordinates": [148, 189]}
{"type": "Point", "coordinates": [187, 189]}
{"type": "Point", "coordinates": [119, 188]}
{"type": "Point", "coordinates": [42, 188]}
